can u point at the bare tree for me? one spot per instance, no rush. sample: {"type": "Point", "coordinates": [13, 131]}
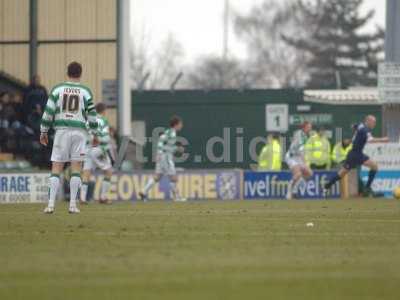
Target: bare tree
{"type": "Point", "coordinates": [159, 66]}
{"type": "Point", "coordinates": [338, 44]}
{"type": "Point", "coordinates": [272, 62]}
{"type": "Point", "coordinates": [139, 58]}
{"type": "Point", "coordinates": [213, 73]}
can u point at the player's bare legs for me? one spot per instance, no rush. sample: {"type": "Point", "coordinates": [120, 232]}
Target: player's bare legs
{"type": "Point", "coordinates": [306, 172]}
{"type": "Point", "coordinates": [150, 183]}
{"type": "Point", "coordinates": [296, 176]}
{"type": "Point", "coordinates": [371, 165]}
{"type": "Point", "coordinates": [343, 172]}
{"type": "Point", "coordinates": [54, 184]}
{"type": "Point", "coordinates": [298, 172]}
{"type": "Point", "coordinates": [57, 167]}
{"type": "Point", "coordinates": [74, 185]}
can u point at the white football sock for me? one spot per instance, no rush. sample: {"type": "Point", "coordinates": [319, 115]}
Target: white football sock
{"type": "Point", "coordinates": [54, 183]}
{"type": "Point", "coordinates": [174, 190]}
{"type": "Point", "coordinates": [84, 189]}
{"type": "Point", "coordinates": [105, 186]}
{"type": "Point", "coordinates": [149, 185]}
{"type": "Point", "coordinates": [74, 185]}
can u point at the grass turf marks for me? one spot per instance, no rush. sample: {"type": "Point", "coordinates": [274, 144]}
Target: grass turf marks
{"type": "Point", "coordinates": [205, 250]}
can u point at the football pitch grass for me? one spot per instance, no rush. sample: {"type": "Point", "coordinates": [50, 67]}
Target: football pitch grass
{"type": "Point", "coordinates": [202, 250]}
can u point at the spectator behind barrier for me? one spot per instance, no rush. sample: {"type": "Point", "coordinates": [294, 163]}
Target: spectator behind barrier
{"type": "Point", "coordinates": [35, 94]}
{"type": "Point", "coordinates": [17, 103]}
{"type": "Point", "coordinates": [7, 110]}
{"type": "Point", "coordinates": [19, 133]}
{"type": "Point", "coordinates": [270, 158]}
{"type": "Point", "coordinates": [8, 123]}
{"type": "Point", "coordinates": [33, 120]}
{"type": "Point", "coordinates": [340, 151]}
{"type": "Point", "coordinates": [318, 151]}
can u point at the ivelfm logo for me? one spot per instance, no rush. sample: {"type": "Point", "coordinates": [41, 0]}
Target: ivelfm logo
{"type": "Point", "coordinates": [275, 185]}
{"type": "Point", "coordinates": [271, 186]}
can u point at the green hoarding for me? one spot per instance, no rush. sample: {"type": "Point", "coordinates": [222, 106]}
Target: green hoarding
{"type": "Point", "coordinates": [236, 119]}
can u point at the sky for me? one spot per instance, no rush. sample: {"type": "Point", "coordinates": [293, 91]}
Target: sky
{"type": "Point", "coordinates": [197, 24]}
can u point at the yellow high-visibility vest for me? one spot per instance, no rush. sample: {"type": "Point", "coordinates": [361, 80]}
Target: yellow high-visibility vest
{"type": "Point", "coordinates": [326, 152]}
{"type": "Point", "coordinates": [263, 158]}
{"type": "Point", "coordinates": [276, 156]}
{"type": "Point", "coordinates": [270, 158]}
{"type": "Point", "coordinates": [318, 151]}
{"type": "Point", "coordinates": [339, 153]}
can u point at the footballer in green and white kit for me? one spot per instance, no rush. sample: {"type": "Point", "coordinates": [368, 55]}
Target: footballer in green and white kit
{"type": "Point", "coordinates": [69, 107]}
{"type": "Point", "coordinates": [165, 165]}
{"type": "Point", "coordinates": [98, 156]}
{"type": "Point", "coordinates": [295, 159]}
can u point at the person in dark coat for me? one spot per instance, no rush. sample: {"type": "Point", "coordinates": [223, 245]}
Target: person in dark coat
{"type": "Point", "coordinates": [35, 94]}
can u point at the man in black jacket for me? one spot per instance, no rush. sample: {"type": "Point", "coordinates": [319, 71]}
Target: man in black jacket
{"type": "Point", "coordinates": [35, 94]}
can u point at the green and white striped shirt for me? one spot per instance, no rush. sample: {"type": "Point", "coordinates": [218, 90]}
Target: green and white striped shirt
{"type": "Point", "coordinates": [167, 142]}
{"type": "Point", "coordinates": [69, 105]}
{"type": "Point", "coordinates": [297, 146]}
{"type": "Point", "coordinates": [103, 132]}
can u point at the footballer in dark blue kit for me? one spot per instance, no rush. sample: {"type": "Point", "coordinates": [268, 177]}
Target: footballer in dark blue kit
{"type": "Point", "coordinates": [356, 156]}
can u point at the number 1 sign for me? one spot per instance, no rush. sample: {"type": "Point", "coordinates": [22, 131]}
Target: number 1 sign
{"type": "Point", "coordinates": [277, 117]}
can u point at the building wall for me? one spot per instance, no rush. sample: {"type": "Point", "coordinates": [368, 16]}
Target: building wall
{"type": "Point", "coordinates": [68, 30]}
{"type": "Point", "coordinates": [14, 27]}
{"type": "Point", "coordinates": [96, 60]}
{"type": "Point", "coordinates": [73, 20]}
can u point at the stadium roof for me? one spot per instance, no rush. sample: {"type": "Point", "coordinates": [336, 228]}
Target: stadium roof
{"type": "Point", "coordinates": [366, 96]}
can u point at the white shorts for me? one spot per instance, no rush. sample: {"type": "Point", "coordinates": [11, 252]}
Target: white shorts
{"type": "Point", "coordinates": [69, 145]}
{"type": "Point", "coordinates": [97, 158]}
{"type": "Point", "coordinates": [294, 161]}
{"type": "Point", "coordinates": [165, 165]}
